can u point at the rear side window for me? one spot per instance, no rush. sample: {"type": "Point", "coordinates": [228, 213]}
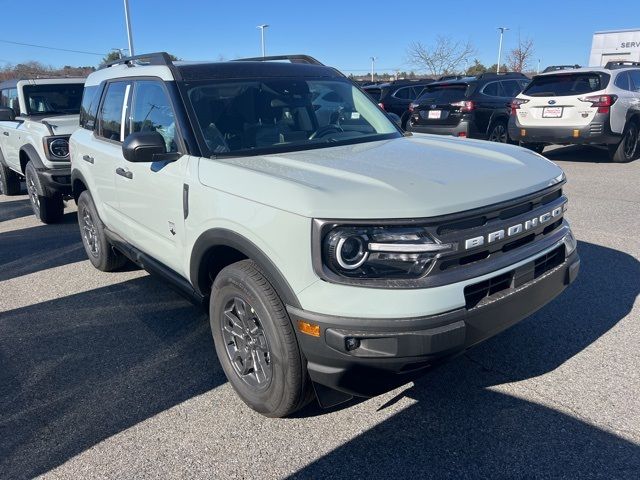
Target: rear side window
{"type": "Point", "coordinates": [443, 94]}
{"type": "Point", "coordinates": [493, 89]}
{"type": "Point", "coordinates": [110, 116]}
{"type": "Point", "coordinates": [567, 84]}
{"type": "Point", "coordinates": [89, 106]}
{"type": "Point", "coordinates": [405, 93]}
{"type": "Point", "coordinates": [622, 81]}
{"type": "Point", "coordinates": [511, 88]}
{"type": "Point", "coordinates": [634, 76]}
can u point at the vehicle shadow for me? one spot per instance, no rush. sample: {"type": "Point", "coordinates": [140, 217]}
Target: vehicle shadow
{"type": "Point", "coordinates": [15, 209]}
{"type": "Point", "coordinates": [579, 154]}
{"type": "Point", "coordinates": [82, 368]}
{"type": "Point", "coordinates": [460, 427]}
{"type": "Point", "coordinates": [33, 249]}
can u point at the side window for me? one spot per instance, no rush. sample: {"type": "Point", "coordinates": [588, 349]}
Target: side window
{"type": "Point", "coordinates": [152, 112]}
{"type": "Point", "coordinates": [89, 106]}
{"type": "Point", "coordinates": [622, 81]}
{"type": "Point", "coordinates": [634, 76]}
{"type": "Point", "coordinates": [4, 98]}
{"type": "Point", "coordinates": [405, 93]}
{"type": "Point", "coordinates": [493, 89]}
{"type": "Point", "coordinates": [110, 117]}
{"type": "Point", "coordinates": [9, 98]}
{"type": "Point", "coordinates": [511, 88]}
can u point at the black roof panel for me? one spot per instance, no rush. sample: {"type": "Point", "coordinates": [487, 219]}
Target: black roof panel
{"type": "Point", "coordinates": [241, 69]}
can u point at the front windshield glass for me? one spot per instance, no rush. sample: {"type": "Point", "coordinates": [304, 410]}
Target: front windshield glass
{"type": "Point", "coordinates": [60, 98]}
{"type": "Point", "coordinates": [262, 116]}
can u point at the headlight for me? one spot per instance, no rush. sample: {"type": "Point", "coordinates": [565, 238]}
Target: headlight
{"type": "Point", "coordinates": [380, 252]}
{"type": "Point", "coordinates": [57, 148]}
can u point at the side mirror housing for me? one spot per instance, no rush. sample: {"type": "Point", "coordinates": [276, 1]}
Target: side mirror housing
{"type": "Point", "coordinates": [146, 147]}
{"type": "Point", "coordinates": [7, 114]}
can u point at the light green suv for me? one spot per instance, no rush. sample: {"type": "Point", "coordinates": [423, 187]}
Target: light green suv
{"type": "Point", "coordinates": [337, 255]}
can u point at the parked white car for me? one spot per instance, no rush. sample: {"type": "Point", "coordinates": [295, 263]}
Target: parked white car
{"type": "Point", "coordinates": [37, 117]}
{"type": "Point", "coordinates": [593, 105]}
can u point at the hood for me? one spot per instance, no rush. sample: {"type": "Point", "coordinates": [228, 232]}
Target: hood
{"type": "Point", "coordinates": [408, 177]}
{"type": "Point", "coordinates": [63, 124]}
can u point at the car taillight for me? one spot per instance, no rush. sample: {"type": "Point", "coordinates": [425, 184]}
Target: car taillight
{"type": "Point", "coordinates": [465, 105]}
{"type": "Point", "coordinates": [381, 105]}
{"type": "Point", "coordinates": [603, 102]}
{"type": "Point", "coordinates": [412, 107]}
{"type": "Point", "coordinates": [515, 104]}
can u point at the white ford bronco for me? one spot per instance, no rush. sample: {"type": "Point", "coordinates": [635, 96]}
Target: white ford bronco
{"type": "Point", "coordinates": [36, 119]}
{"type": "Point", "coordinates": [337, 255]}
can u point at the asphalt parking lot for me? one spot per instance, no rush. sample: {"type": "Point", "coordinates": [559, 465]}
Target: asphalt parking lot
{"type": "Point", "coordinates": [113, 375]}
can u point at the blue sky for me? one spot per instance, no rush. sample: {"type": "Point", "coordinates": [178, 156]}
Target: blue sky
{"type": "Point", "coordinates": [340, 33]}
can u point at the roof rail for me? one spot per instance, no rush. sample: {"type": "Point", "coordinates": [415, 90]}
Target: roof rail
{"type": "Point", "coordinates": [501, 74]}
{"type": "Point", "coordinates": [621, 64]}
{"type": "Point", "coordinates": [156, 58]}
{"type": "Point", "coordinates": [444, 78]}
{"type": "Point", "coordinates": [292, 58]}
{"type": "Point", "coordinates": [557, 68]}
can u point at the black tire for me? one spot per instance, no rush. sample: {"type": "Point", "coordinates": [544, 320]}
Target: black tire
{"type": "Point", "coordinates": [47, 207]}
{"type": "Point", "coordinates": [536, 147]}
{"type": "Point", "coordinates": [404, 119]}
{"type": "Point", "coordinates": [100, 252]}
{"type": "Point", "coordinates": [9, 181]}
{"type": "Point", "coordinates": [499, 132]}
{"type": "Point", "coordinates": [274, 356]}
{"type": "Point", "coordinates": [629, 147]}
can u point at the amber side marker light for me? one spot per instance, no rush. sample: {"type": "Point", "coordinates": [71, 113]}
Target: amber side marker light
{"type": "Point", "coordinates": [309, 328]}
{"type": "Point", "coordinates": [523, 132]}
{"type": "Point", "coordinates": [576, 133]}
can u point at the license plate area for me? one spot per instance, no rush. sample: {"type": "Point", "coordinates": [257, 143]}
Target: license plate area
{"type": "Point", "coordinates": [435, 114]}
{"type": "Point", "coordinates": [552, 112]}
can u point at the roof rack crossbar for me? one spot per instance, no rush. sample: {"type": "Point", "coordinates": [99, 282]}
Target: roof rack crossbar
{"type": "Point", "coordinates": [501, 74]}
{"type": "Point", "coordinates": [156, 58]}
{"type": "Point", "coordinates": [292, 58]}
{"type": "Point", "coordinates": [621, 64]}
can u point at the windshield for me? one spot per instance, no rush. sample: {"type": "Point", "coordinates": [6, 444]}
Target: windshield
{"type": "Point", "coordinates": [566, 84]}
{"type": "Point", "coordinates": [262, 116]}
{"type": "Point", "coordinates": [60, 98]}
{"type": "Point", "coordinates": [442, 94]}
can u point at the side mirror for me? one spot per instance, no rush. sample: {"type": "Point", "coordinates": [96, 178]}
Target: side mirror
{"type": "Point", "coordinates": [7, 114]}
{"type": "Point", "coordinates": [141, 147]}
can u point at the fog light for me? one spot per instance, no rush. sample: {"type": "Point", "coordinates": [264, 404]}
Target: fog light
{"type": "Point", "coordinates": [309, 328]}
{"type": "Point", "coordinates": [570, 244]}
{"type": "Point", "coordinates": [351, 343]}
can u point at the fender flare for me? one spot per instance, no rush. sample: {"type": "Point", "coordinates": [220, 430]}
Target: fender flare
{"type": "Point", "coordinates": [227, 238]}
{"type": "Point", "coordinates": [77, 175]}
{"type": "Point", "coordinates": [2, 160]}
{"type": "Point", "coordinates": [33, 156]}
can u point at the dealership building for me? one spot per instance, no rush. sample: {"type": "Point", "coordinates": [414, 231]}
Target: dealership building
{"type": "Point", "coordinates": [615, 45]}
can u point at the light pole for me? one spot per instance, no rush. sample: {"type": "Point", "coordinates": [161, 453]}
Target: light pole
{"type": "Point", "coordinates": [538, 70]}
{"type": "Point", "coordinates": [127, 17]}
{"type": "Point", "coordinates": [373, 66]}
{"type": "Point", "coordinates": [502, 30]}
{"type": "Point", "coordinates": [262, 27]}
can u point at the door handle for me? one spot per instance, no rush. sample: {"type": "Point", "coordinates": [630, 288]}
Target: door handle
{"type": "Point", "coordinates": [88, 159]}
{"type": "Point", "coordinates": [6, 134]}
{"type": "Point", "coordinates": [124, 173]}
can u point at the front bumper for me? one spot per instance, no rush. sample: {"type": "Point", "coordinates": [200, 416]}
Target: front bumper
{"type": "Point", "coordinates": [598, 132]}
{"type": "Point", "coordinates": [390, 352]}
{"type": "Point", "coordinates": [56, 180]}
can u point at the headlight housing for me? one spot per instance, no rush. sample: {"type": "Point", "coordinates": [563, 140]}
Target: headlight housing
{"type": "Point", "coordinates": [57, 148]}
{"type": "Point", "coordinates": [380, 252]}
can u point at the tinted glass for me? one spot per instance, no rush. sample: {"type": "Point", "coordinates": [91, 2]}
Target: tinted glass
{"type": "Point", "coordinates": [493, 89]}
{"type": "Point", "coordinates": [267, 115]}
{"type": "Point", "coordinates": [443, 94]}
{"type": "Point", "coordinates": [110, 117]}
{"type": "Point", "coordinates": [89, 106]}
{"type": "Point", "coordinates": [151, 111]}
{"type": "Point", "coordinates": [634, 75]}
{"type": "Point", "coordinates": [566, 84]}
{"type": "Point", "coordinates": [374, 93]}
{"type": "Point", "coordinates": [510, 88]}
{"type": "Point", "coordinates": [405, 93]}
{"type": "Point", "coordinates": [53, 99]}
{"type": "Point", "coordinates": [622, 81]}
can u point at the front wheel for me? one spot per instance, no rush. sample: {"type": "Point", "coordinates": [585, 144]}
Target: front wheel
{"type": "Point", "coordinates": [256, 343]}
{"type": "Point", "coordinates": [47, 207]}
{"type": "Point", "coordinates": [9, 181]}
{"type": "Point", "coordinates": [628, 149]}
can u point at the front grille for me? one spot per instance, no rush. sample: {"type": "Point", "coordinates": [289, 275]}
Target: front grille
{"type": "Point", "coordinates": [484, 292]}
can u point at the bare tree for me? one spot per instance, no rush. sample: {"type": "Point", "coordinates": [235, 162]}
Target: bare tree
{"type": "Point", "coordinates": [518, 58]}
{"type": "Point", "coordinates": [444, 56]}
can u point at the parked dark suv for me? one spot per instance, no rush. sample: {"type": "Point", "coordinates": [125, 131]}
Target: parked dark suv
{"type": "Point", "coordinates": [477, 107]}
{"type": "Point", "coordinates": [395, 97]}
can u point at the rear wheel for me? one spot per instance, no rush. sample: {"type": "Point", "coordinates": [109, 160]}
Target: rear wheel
{"type": "Point", "coordinates": [628, 149]}
{"type": "Point", "coordinates": [100, 252]}
{"type": "Point", "coordinates": [9, 181]}
{"type": "Point", "coordinates": [536, 147]}
{"type": "Point", "coordinates": [498, 132]}
{"type": "Point", "coordinates": [255, 342]}
{"type": "Point", "coordinates": [48, 208]}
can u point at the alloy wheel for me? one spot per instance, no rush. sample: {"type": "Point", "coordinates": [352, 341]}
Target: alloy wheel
{"type": "Point", "coordinates": [33, 193]}
{"type": "Point", "coordinates": [89, 232]}
{"type": "Point", "coordinates": [246, 343]}
{"type": "Point", "coordinates": [631, 142]}
{"type": "Point", "coordinates": [498, 134]}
